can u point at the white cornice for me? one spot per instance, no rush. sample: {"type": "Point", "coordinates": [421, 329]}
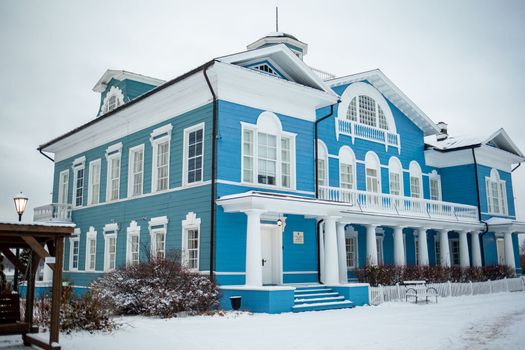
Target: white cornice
{"type": "Point", "coordinates": [121, 75]}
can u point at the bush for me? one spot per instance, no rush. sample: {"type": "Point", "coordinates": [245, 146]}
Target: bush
{"type": "Point", "coordinates": [390, 275]}
{"type": "Point", "coordinates": [76, 313]}
{"type": "Point", "coordinates": [160, 287]}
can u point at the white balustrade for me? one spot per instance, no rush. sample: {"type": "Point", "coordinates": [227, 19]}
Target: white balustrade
{"type": "Point", "coordinates": [52, 213]}
{"type": "Point", "coordinates": [366, 132]}
{"type": "Point", "coordinates": [407, 206]}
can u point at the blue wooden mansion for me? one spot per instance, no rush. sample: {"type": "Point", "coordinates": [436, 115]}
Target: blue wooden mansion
{"type": "Point", "coordinates": [270, 176]}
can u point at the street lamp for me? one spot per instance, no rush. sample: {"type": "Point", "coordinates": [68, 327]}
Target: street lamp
{"type": "Point", "coordinates": [20, 204]}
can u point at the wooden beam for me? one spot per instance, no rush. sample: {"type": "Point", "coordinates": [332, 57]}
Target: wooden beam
{"type": "Point", "coordinates": [38, 249]}
{"type": "Point", "coordinates": [32, 340]}
{"type": "Point", "coordinates": [56, 292]}
{"type": "Point", "coordinates": [13, 259]}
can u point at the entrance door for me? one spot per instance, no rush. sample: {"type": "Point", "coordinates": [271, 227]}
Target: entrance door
{"type": "Point", "coordinates": [271, 254]}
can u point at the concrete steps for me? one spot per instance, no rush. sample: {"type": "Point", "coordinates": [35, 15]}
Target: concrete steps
{"type": "Point", "coordinates": [317, 298]}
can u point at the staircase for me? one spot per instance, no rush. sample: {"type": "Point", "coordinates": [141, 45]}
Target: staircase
{"type": "Point", "coordinates": [317, 298]}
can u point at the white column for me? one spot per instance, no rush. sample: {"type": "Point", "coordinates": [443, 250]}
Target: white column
{"type": "Point", "coordinates": [399, 247]}
{"type": "Point", "coordinates": [321, 251]}
{"type": "Point", "coordinates": [422, 246]}
{"type": "Point", "coordinates": [341, 248]}
{"type": "Point", "coordinates": [253, 248]}
{"type": "Point", "coordinates": [444, 249]}
{"type": "Point", "coordinates": [476, 250]}
{"type": "Point", "coordinates": [331, 259]}
{"type": "Point", "coordinates": [509, 251]}
{"type": "Point", "coordinates": [371, 245]}
{"type": "Point", "coordinates": [464, 259]}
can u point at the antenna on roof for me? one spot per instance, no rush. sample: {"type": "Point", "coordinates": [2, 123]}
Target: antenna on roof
{"type": "Point", "coordinates": [276, 18]}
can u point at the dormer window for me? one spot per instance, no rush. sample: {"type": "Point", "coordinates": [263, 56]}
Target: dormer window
{"type": "Point", "coordinates": [264, 67]}
{"type": "Point", "coordinates": [114, 99]}
{"type": "Point", "coordinates": [112, 104]}
{"type": "Point", "coordinates": [367, 112]}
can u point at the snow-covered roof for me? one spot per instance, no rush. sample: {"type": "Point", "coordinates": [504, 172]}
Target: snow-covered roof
{"type": "Point", "coordinates": [380, 81]}
{"type": "Point", "coordinates": [499, 139]}
{"type": "Point", "coordinates": [121, 75]}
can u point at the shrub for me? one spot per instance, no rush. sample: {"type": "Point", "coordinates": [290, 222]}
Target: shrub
{"type": "Point", "coordinates": [160, 287]}
{"type": "Point", "coordinates": [390, 275]}
{"type": "Point", "coordinates": [76, 313]}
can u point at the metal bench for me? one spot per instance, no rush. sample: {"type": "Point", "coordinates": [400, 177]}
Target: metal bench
{"type": "Point", "coordinates": [419, 290]}
{"type": "Point", "coordinates": [10, 322]}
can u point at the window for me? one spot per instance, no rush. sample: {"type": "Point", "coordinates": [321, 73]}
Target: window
{"type": "Point", "coordinates": [136, 171]}
{"type": "Point", "coordinates": [454, 250]}
{"type": "Point", "coordinates": [346, 168]}
{"type": "Point", "coordinates": [191, 241]}
{"type": "Point", "coordinates": [91, 249]}
{"type": "Point", "coordinates": [379, 246]}
{"type": "Point", "coordinates": [416, 190]}
{"type": "Point", "coordinates": [110, 247]}
{"type": "Point", "coordinates": [435, 186]}
{"type": "Point", "coordinates": [160, 141]}
{"type": "Point", "coordinates": [78, 171]}
{"type": "Point", "coordinates": [193, 154]}
{"type": "Point", "coordinates": [63, 186]}
{"type": "Point", "coordinates": [268, 153]}
{"type": "Point", "coordinates": [395, 176]}
{"type": "Point", "coordinates": [133, 244]}
{"type": "Point", "coordinates": [74, 250]}
{"type": "Point", "coordinates": [351, 250]}
{"type": "Point", "coordinates": [322, 164]}
{"type": "Point", "coordinates": [367, 111]}
{"type": "Point", "coordinates": [437, 247]}
{"type": "Point", "coordinates": [416, 250]}
{"type": "Point", "coordinates": [113, 176]}
{"type": "Point", "coordinates": [114, 98]}
{"type": "Point", "coordinates": [496, 194]}
{"type": "Point", "coordinates": [500, 247]}
{"type": "Point", "coordinates": [94, 182]}
{"type": "Point", "coordinates": [372, 172]}
{"type": "Point", "coordinates": [264, 67]}
{"type": "Point", "coordinates": [158, 227]}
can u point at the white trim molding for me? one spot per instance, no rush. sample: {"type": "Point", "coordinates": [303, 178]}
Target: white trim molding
{"type": "Point", "coordinates": [75, 238]}
{"type": "Point", "coordinates": [110, 241]}
{"type": "Point", "coordinates": [131, 171]}
{"type": "Point", "coordinates": [185, 155]}
{"type": "Point", "coordinates": [91, 257]}
{"type": "Point", "coordinates": [191, 223]}
{"type": "Point", "coordinates": [158, 225]}
{"type": "Point", "coordinates": [159, 137]}
{"type": "Point", "coordinates": [132, 233]}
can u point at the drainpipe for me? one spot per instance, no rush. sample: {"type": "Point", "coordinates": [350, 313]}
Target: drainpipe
{"type": "Point", "coordinates": [213, 172]}
{"type": "Point", "coordinates": [316, 147]}
{"type": "Point", "coordinates": [486, 229]}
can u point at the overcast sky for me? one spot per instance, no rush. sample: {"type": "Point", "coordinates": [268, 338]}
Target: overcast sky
{"type": "Point", "coordinates": [460, 62]}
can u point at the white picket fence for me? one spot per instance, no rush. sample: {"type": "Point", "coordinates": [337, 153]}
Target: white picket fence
{"type": "Point", "coordinates": [382, 294]}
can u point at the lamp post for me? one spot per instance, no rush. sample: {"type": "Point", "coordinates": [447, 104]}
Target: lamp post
{"type": "Point", "coordinates": [20, 206]}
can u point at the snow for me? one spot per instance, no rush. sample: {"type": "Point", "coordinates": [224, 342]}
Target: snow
{"type": "Point", "coordinates": [493, 321]}
{"type": "Point", "coordinates": [452, 142]}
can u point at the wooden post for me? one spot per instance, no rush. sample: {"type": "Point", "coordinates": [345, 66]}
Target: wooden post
{"type": "Point", "coordinates": [57, 291]}
{"type": "Point", "coordinates": [30, 296]}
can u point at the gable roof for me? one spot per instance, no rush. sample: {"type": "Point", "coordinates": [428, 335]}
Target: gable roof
{"type": "Point", "coordinates": [499, 139]}
{"type": "Point", "coordinates": [290, 64]}
{"type": "Point", "coordinates": [380, 81]}
{"type": "Point", "coordinates": [121, 75]}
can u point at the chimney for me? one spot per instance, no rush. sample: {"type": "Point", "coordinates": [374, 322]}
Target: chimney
{"type": "Point", "coordinates": [443, 131]}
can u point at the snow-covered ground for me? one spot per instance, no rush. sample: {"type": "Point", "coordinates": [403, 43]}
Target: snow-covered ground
{"type": "Point", "coordinates": [494, 321]}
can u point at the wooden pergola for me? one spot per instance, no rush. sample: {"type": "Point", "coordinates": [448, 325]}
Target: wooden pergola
{"type": "Point", "coordinates": [36, 237]}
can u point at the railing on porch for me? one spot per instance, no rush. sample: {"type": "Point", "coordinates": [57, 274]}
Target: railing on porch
{"type": "Point", "coordinates": [53, 212]}
{"type": "Point", "coordinates": [408, 206]}
{"type": "Point", "coordinates": [366, 132]}
{"type": "Point", "coordinates": [382, 294]}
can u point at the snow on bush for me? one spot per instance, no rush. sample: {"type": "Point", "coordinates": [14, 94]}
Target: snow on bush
{"type": "Point", "coordinates": [390, 275]}
{"type": "Point", "coordinates": [76, 313]}
{"type": "Point", "coordinates": [160, 287]}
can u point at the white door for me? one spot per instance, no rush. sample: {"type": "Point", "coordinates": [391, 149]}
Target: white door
{"type": "Point", "coordinates": [271, 254]}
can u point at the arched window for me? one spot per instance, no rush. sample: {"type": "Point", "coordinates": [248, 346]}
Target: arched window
{"type": "Point", "coordinates": [365, 109]}
{"type": "Point", "coordinates": [496, 194]}
{"type": "Point", "coordinates": [346, 168]}
{"type": "Point", "coordinates": [416, 189]}
{"type": "Point", "coordinates": [322, 164]}
{"type": "Point", "coordinates": [114, 98]}
{"type": "Point", "coordinates": [435, 186]}
{"type": "Point", "coordinates": [373, 173]}
{"type": "Point", "coordinates": [268, 153]}
{"type": "Point", "coordinates": [395, 176]}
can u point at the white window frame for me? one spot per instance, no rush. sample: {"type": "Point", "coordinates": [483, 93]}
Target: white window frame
{"type": "Point", "coordinates": [372, 162]}
{"type": "Point", "coordinates": [113, 152]}
{"type": "Point", "coordinates": [75, 238]}
{"type": "Point", "coordinates": [500, 253]}
{"type": "Point", "coordinates": [322, 155]}
{"type": "Point", "coordinates": [63, 187]}
{"type": "Point", "coordinates": [91, 235]}
{"type": "Point", "coordinates": [157, 225]}
{"type": "Point", "coordinates": [187, 132]}
{"type": "Point", "coordinates": [110, 232]}
{"type": "Point", "coordinates": [500, 196]}
{"type": "Point", "coordinates": [158, 136]}
{"type": "Point", "coordinates": [78, 164]}
{"type": "Point", "coordinates": [91, 181]}
{"type": "Point", "coordinates": [114, 92]}
{"type": "Point", "coordinates": [191, 222]}
{"type": "Point", "coordinates": [395, 167]}
{"type": "Point", "coordinates": [269, 123]}
{"type": "Point", "coordinates": [415, 172]}
{"type": "Point", "coordinates": [380, 249]}
{"type": "Point", "coordinates": [131, 168]}
{"type": "Point", "coordinates": [132, 231]}
{"type": "Point", "coordinates": [352, 234]}
{"type": "Point", "coordinates": [347, 158]}
{"type": "Point", "coordinates": [434, 176]}
{"type": "Point", "coordinates": [451, 243]}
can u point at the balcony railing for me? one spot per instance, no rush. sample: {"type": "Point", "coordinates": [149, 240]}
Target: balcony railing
{"type": "Point", "coordinates": [366, 132]}
{"type": "Point", "coordinates": [399, 205]}
{"type": "Point", "coordinates": [52, 213]}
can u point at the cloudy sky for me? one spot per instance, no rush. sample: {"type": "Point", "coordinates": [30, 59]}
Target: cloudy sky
{"type": "Point", "coordinates": [460, 62]}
